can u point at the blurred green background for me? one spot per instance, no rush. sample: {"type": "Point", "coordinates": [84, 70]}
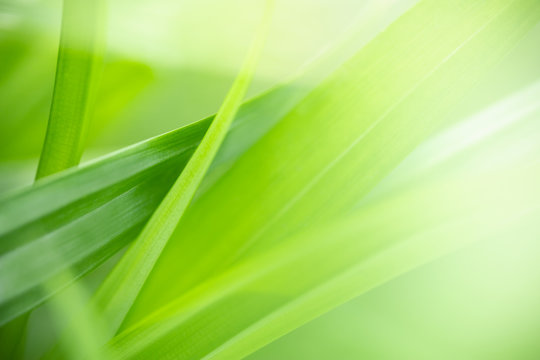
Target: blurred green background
{"type": "Point", "coordinates": [169, 63]}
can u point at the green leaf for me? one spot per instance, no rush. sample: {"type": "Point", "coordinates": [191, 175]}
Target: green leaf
{"type": "Point", "coordinates": [78, 64]}
{"type": "Point", "coordinates": [123, 188]}
{"type": "Point", "coordinates": [40, 210]}
{"type": "Point", "coordinates": [121, 288]}
{"type": "Point", "coordinates": [267, 295]}
{"type": "Point", "coordinates": [322, 158]}
{"type": "Point", "coordinates": [77, 61]}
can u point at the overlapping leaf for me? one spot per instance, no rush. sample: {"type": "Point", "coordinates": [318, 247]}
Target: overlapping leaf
{"type": "Point", "coordinates": [121, 288]}
{"type": "Point", "coordinates": [230, 273]}
{"type": "Point", "coordinates": [122, 190]}
{"type": "Point", "coordinates": [330, 150]}
{"type": "Point", "coordinates": [267, 295]}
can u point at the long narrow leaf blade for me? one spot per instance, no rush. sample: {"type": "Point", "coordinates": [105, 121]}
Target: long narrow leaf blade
{"type": "Point", "coordinates": [77, 69]}
{"type": "Point", "coordinates": [270, 294]}
{"type": "Point", "coordinates": [126, 280]}
{"type": "Point", "coordinates": [34, 216]}
{"type": "Point", "coordinates": [359, 125]}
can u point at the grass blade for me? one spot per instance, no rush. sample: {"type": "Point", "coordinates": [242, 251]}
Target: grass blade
{"type": "Point", "coordinates": [270, 294]}
{"type": "Point", "coordinates": [79, 59]}
{"type": "Point", "coordinates": [55, 212]}
{"type": "Point", "coordinates": [124, 283]}
{"type": "Point", "coordinates": [33, 217]}
{"type": "Point", "coordinates": [341, 140]}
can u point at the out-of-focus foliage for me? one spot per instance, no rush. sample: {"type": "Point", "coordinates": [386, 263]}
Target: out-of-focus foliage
{"type": "Point", "coordinates": [390, 144]}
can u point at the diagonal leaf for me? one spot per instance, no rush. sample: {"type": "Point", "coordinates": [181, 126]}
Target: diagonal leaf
{"type": "Point", "coordinates": [360, 127]}
{"type": "Point", "coordinates": [126, 280]}
{"type": "Point", "coordinates": [269, 294]}
{"type": "Point", "coordinates": [59, 210]}
{"type": "Point", "coordinates": [78, 59]}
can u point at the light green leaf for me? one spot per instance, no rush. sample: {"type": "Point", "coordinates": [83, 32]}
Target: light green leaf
{"type": "Point", "coordinates": [321, 190]}
{"type": "Point", "coordinates": [320, 160]}
{"type": "Point", "coordinates": [121, 288]}
{"type": "Point", "coordinates": [267, 295]}
{"type": "Point", "coordinates": [78, 66]}
{"type": "Point", "coordinates": [122, 189]}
